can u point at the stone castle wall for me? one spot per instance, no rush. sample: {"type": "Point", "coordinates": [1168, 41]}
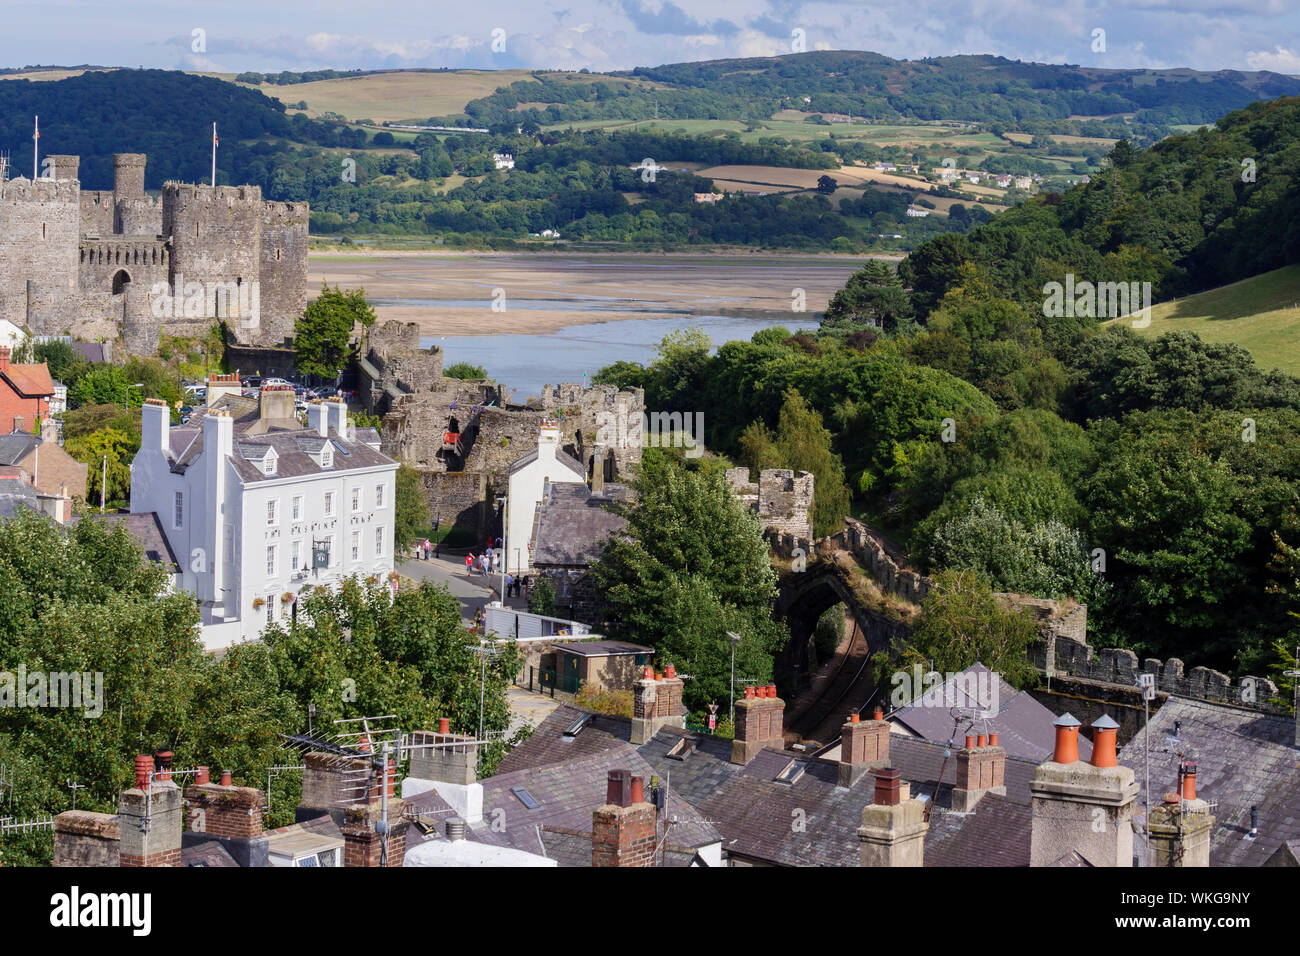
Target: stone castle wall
{"type": "Point", "coordinates": [782, 500]}
{"type": "Point", "coordinates": [85, 263]}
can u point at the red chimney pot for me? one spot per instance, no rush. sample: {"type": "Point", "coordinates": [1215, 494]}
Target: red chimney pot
{"type": "Point", "coordinates": [982, 740]}
{"type": "Point", "coordinates": [444, 725]}
{"type": "Point", "coordinates": [993, 740]}
{"type": "Point", "coordinates": [854, 718]}
{"type": "Point", "coordinates": [888, 793]}
{"type": "Point", "coordinates": [878, 713]}
{"type": "Point", "coordinates": [638, 790]}
{"type": "Point", "coordinates": [670, 671]}
{"type": "Point", "coordinates": [202, 776]}
{"type": "Point", "coordinates": [1188, 773]}
{"type": "Point", "coordinates": [970, 741]}
{"type": "Point", "coordinates": [226, 780]}
{"type": "Point", "coordinates": [143, 769]}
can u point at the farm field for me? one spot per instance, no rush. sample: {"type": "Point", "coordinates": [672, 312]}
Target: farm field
{"type": "Point", "coordinates": [1261, 314]}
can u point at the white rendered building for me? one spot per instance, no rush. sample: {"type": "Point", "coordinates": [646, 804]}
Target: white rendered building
{"type": "Point", "coordinates": [528, 478]}
{"type": "Point", "coordinates": [258, 509]}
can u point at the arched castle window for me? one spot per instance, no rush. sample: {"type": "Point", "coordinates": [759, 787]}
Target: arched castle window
{"type": "Point", "coordinates": [120, 281]}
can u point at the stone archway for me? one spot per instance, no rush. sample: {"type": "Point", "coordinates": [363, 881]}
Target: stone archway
{"type": "Point", "coordinates": [121, 279]}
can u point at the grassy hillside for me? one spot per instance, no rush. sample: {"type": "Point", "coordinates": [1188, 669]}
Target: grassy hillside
{"type": "Point", "coordinates": [1261, 314]}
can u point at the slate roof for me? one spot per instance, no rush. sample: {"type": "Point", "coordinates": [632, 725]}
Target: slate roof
{"type": "Point", "coordinates": [572, 527]}
{"type": "Point", "coordinates": [17, 494]}
{"type": "Point", "coordinates": [1024, 724]}
{"type": "Point", "coordinates": [94, 351]}
{"type": "Point", "coordinates": [1244, 758]}
{"type": "Point", "coordinates": [147, 530]}
{"type": "Point", "coordinates": [291, 447]}
{"type": "Point", "coordinates": [753, 811]}
{"type": "Point", "coordinates": [567, 793]}
{"type": "Point", "coordinates": [207, 853]}
{"type": "Point", "coordinates": [15, 447]}
{"type": "Point", "coordinates": [563, 457]}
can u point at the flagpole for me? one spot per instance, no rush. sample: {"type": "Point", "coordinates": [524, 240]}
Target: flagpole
{"type": "Point", "coordinates": [214, 155]}
{"type": "Point", "coordinates": [36, 147]}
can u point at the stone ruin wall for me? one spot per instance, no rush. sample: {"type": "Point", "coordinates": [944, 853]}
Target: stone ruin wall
{"type": "Point", "coordinates": [782, 500]}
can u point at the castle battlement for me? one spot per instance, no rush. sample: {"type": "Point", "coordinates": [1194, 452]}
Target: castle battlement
{"type": "Point", "coordinates": [196, 192]}
{"type": "Point", "coordinates": [81, 263]}
{"type": "Point", "coordinates": [283, 213]}
{"type": "Point", "coordinates": [42, 190]}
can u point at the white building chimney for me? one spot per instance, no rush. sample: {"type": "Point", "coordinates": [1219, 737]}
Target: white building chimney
{"type": "Point", "coordinates": [338, 416]}
{"type": "Point", "coordinates": [155, 424]}
{"type": "Point", "coordinates": [218, 445]}
{"type": "Point", "coordinates": [318, 418]}
{"type": "Point", "coordinates": [548, 441]}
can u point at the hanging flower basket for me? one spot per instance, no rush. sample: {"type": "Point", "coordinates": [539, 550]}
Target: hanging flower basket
{"type": "Point", "coordinates": [393, 575]}
{"type": "Point", "coordinates": [259, 603]}
{"type": "Point", "coordinates": [288, 597]}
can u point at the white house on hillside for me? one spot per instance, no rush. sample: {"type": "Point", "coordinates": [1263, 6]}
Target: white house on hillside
{"type": "Point", "coordinates": [528, 478]}
{"type": "Point", "coordinates": [257, 509]}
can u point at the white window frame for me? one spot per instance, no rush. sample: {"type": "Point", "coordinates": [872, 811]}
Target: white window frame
{"type": "Point", "coordinates": [295, 555]}
{"type": "Point", "coordinates": [297, 507]}
{"type": "Point", "coordinates": [272, 512]}
{"type": "Point", "coordinates": [178, 510]}
{"type": "Point", "coordinates": [329, 543]}
{"type": "Point", "coordinates": [329, 504]}
{"type": "Point", "coordinates": [356, 545]}
{"type": "Point", "coordinates": [356, 499]}
{"type": "Point", "coordinates": [379, 496]}
{"type": "Point", "coordinates": [272, 560]}
{"type": "Point", "coordinates": [379, 541]}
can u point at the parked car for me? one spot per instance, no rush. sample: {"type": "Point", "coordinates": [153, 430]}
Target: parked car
{"type": "Point", "coordinates": [253, 381]}
{"type": "Point", "coordinates": [276, 382]}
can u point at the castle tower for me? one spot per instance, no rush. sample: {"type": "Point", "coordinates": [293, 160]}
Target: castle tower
{"type": "Point", "coordinates": [40, 225]}
{"type": "Point", "coordinates": [63, 167]}
{"type": "Point", "coordinates": [216, 237]}
{"type": "Point", "coordinates": [128, 175]}
{"type": "Point", "coordinates": [283, 273]}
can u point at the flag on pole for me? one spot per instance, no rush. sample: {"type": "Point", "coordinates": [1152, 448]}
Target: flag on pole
{"type": "Point", "coordinates": [214, 155]}
{"type": "Point", "coordinates": [214, 135]}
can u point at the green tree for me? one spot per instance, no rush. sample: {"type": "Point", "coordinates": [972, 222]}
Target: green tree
{"type": "Point", "coordinates": [961, 623]}
{"type": "Point", "coordinates": [58, 356]}
{"type": "Point", "coordinates": [410, 510]}
{"type": "Point", "coordinates": [323, 331]}
{"type": "Point", "coordinates": [692, 566]}
{"type": "Point", "coordinates": [464, 370]}
{"type": "Point", "coordinates": [111, 445]}
{"type": "Point", "coordinates": [101, 385]}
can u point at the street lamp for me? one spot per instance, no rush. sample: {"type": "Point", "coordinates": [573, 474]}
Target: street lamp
{"type": "Point", "coordinates": [127, 406]}
{"type": "Point", "coordinates": [735, 639]}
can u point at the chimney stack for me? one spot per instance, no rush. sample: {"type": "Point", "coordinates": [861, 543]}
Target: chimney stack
{"type": "Point", "coordinates": [864, 746]}
{"type": "Point", "coordinates": [760, 723]}
{"type": "Point", "coordinates": [155, 425]}
{"type": "Point", "coordinates": [981, 769]}
{"type": "Point", "coordinates": [5, 353]}
{"type": "Point", "coordinates": [893, 826]}
{"type": "Point", "coordinates": [656, 703]}
{"type": "Point", "coordinates": [624, 831]}
{"type": "Point", "coordinates": [598, 473]}
{"type": "Point", "coordinates": [82, 838]}
{"type": "Point", "coordinates": [276, 404]}
{"type": "Point", "coordinates": [150, 818]}
{"type": "Point", "coordinates": [447, 763]}
{"type": "Point", "coordinates": [318, 417]}
{"type": "Point", "coordinates": [1180, 827]}
{"type": "Point", "coordinates": [230, 815]}
{"type": "Point", "coordinates": [1083, 807]}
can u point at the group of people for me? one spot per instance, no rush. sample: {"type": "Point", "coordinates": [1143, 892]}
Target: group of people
{"type": "Point", "coordinates": [491, 557]}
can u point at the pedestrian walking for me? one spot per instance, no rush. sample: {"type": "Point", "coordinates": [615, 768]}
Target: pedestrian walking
{"type": "Point", "coordinates": [427, 546]}
{"type": "Point", "coordinates": [469, 565]}
{"type": "Point", "coordinates": [510, 585]}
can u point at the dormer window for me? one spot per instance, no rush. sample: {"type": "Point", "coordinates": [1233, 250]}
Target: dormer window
{"type": "Point", "coordinates": [271, 462]}
{"type": "Point", "coordinates": [327, 456]}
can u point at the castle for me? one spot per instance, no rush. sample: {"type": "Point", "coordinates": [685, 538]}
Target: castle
{"type": "Point", "coordinates": [119, 264]}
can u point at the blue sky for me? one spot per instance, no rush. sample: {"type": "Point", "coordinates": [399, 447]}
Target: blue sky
{"type": "Point", "coordinates": [271, 35]}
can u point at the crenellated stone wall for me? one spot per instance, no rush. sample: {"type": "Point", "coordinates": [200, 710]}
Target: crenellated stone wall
{"type": "Point", "coordinates": [91, 263]}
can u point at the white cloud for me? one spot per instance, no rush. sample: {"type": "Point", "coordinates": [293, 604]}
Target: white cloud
{"type": "Point", "coordinates": [1280, 60]}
